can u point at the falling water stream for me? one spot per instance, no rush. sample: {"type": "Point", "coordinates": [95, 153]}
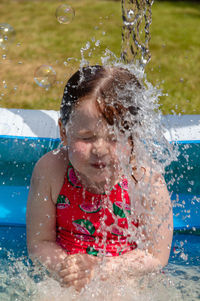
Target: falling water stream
{"type": "Point", "coordinates": [136, 16]}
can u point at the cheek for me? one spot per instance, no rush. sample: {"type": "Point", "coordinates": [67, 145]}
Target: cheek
{"type": "Point", "coordinates": [124, 151]}
{"type": "Point", "coordinates": [80, 148]}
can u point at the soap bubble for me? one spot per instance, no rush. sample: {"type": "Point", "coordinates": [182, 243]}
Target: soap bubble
{"type": "Point", "coordinates": [45, 76]}
{"type": "Point", "coordinates": [7, 35]}
{"type": "Point", "coordinates": [65, 14]}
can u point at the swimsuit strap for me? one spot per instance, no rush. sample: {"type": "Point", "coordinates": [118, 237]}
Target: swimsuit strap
{"type": "Point", "coordinates": [71, 176]}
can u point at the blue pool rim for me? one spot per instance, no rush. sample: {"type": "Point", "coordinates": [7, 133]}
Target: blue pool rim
{"type": "Point", "coordinates": [58, 139]}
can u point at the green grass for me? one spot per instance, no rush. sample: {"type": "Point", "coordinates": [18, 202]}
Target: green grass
{"type": "Point", "coordinates": [175, 52]}
{"type": "Point", "coordinates": [174, 45]}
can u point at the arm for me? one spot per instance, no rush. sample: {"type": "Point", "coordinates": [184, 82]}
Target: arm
{"type": "Point", "coordinates": [76, 270]}
{"type": "Point", "coordinates": [41, 219]}
{"type": "Point", "coordinates": [156, 218]}
{"type": "Point", "coordinates": [155, 230]}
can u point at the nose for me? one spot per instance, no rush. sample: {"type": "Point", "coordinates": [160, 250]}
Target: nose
{"type": "Point", "coordinates": [100, 148]}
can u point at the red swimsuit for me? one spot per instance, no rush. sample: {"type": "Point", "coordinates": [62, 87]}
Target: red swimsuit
{"type": "Point", "coordinates": [93, 223]}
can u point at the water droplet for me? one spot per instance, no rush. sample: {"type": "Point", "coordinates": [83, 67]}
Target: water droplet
{"type": "Point", "coordinates": [45, 76]}
{"type": "Point", "coordinates": [87, 46]}
{"type": "Point", "coordinates": [169, 227]}
{"type": "Point", "coordinates": [130, 14]}
{"type": "Point", "coordinates": [97, 43]}
{"type": "Point", "coordinates": [65, 14]}
{"type": "Point", "coordinates": [7, 35]}
{"type": "Point", "coordinates": [184, 256]}
{"type": "Point", "coordinates": [144, 203]}
{"type": "Point", "coordinates": [56, 151]}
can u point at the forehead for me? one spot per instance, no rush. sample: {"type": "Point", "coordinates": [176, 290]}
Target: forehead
{"type": "Point", "coordinates": [87, 116]}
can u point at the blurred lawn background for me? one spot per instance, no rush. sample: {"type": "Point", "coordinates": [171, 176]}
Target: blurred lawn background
{"type": "Point", "coordinates": [40, 39]}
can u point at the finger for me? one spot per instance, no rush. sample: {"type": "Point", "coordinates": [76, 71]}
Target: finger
{"type": "Point", "coordinates": [63, 272]}
{"type": "Point", "coordinates": [74, 269]}
{"type": "Point", "coordinates": [69, 270]}
{"type": "Point", "coordinates": [68, 266]}
{"type": "Point", "coordinates": [69, 260]}
{"type": "Point", "coordinates": [79, 284]}
{"type": "Point", "coordinates": [75, 277]}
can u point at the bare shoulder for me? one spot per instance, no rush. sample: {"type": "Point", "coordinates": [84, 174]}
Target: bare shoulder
{"type": "Point", "coordinates": [49, 171]}
{"type": "Point", "coordinates": [51, 162]}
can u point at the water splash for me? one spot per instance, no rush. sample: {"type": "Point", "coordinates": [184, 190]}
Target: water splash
{"type": "Point", "coordinates": [136, 15]}
{"type": "Point", "coordinates": [20, 280]}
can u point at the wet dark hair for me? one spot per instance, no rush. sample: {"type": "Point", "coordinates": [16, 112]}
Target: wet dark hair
{"type": "Point", "coordinates": [106, 84]}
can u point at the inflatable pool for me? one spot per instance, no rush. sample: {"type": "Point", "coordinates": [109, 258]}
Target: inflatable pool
{"type": "Point", "coordinates": [26, 135]}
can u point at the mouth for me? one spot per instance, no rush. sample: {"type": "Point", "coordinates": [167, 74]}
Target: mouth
{"type": "Point", "coordinates": [99, 165]}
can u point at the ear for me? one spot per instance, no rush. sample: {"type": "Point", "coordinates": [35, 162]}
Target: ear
{"type": "Point", "coordinates": [63, 135]}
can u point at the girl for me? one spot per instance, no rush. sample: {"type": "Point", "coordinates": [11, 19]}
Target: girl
{"type": "Point", "coordinates": [82, 209]}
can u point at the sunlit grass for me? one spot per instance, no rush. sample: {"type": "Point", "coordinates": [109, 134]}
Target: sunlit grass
{"type": "Point", "coordinates": [175, 45]}
{"type": "Point", "coordinates": [175, 51]}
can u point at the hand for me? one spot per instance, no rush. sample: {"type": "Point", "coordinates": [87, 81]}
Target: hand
{"type": "Point", "coordinates": [77, 270]}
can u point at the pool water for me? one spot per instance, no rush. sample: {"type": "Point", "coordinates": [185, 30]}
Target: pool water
{"type": "Point", "coordinates": [18, 279]}
{"type": "Point", "coordinates": [180, 281]}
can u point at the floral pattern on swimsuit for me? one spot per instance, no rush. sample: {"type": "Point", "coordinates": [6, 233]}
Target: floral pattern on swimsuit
{"type": "Point", "coordinates": [93, 223]}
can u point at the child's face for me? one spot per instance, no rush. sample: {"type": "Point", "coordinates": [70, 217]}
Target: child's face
{"type": "Point", "coordinates": [93, 147]}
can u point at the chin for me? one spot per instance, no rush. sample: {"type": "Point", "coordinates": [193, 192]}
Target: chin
{"type": "Point", "coordinates": [101, 176]}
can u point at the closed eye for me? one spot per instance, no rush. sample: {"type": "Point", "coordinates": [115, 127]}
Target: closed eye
{"type": "Point", "coordinates": [88, 138]}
